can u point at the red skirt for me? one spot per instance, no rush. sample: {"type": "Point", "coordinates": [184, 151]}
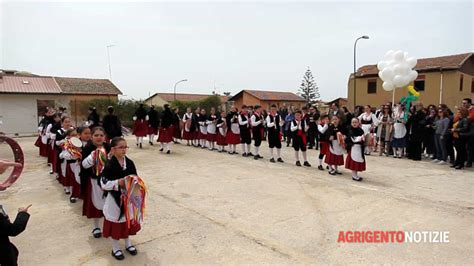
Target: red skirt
{"type": "Point", "coordinates": [69, 179]}
{"type": "Point", "coordinates": [152, 131]}
{"type": "Point", "coordinates": [324, 147]}
{"type": "Point", "coordinates": [201, 135]}
{"type": "Point", "coordinates": [211, 137]}
{"type": "Point", "coordinates": [140, 128]}
{"type": "Point", "coordinates": [119, 230]}
{"type": "Point", "coordinates": [232, 138]}
{"type": "Point", "coordinates": [42, 147]}
{"type": "Point", "coordinates": [76, 187]}
{"type": "Point", "coordinates": [333, 159]}
{"type": "Point", "coordinates": [176, 132]}
{"type": "Point", "coordinates": [166, 135]}
{"type": "Point", "coordinates": [353, 165]}
{"type": "Point", "coordinates": [221, 140]}
{"type": "Point", "coordinates": [88, 208]}
{"type": "Point", "coordinates": [188, 135]}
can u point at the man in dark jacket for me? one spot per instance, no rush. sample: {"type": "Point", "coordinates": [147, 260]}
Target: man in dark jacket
{"type": "Point", "coordinates": [112, 124]}
{"type": "Point", "coordinates": [417, 124]}
{"type": "Point", "coordinates": [8, 251]}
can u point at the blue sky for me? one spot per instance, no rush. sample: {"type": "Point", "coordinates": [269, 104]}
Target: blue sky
{"type": "Point", "coordinates": [233, 46]}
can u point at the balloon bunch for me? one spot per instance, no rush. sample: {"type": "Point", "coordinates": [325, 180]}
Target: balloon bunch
{"type": "Point", "coordinates": [396, 70]}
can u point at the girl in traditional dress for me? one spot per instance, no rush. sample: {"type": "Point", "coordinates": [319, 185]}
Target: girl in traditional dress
{"type": "Point", "coordinates": [188, 129]}
{"type": "Point", "coordinates": [233, 130]}
{"type": "Point", "coordinates": [211, 129]}
{"type": "Point", "coordinates": [113, 182]}
{"type": "Point", "coordinates": [399, 132]}
{"type": "Point", "coordinates": [140, 128]}
{"type": "Point", "coordinates": [334, 158]}
{"type": "Point", "coordinates": [355, 160]}
{"type": "Point", "coordinates": [221, 126]}
{"type": "Point", "coordinates": [70, 167]}
{"type": "Point", "coordinates": [59, 139]}
{"type": "Point", "coordinates": [384, 130]}
{"type": "Point", "coordinates": [298, 129]}
{"type": "Point", "coordinates": [195, 126]}
{"type": "Point", "coordinates": [95, 157]}
{"type": "Point", "coordinates": [153, 124]}
{"type": "Point", "coordinates": [166, 130]}
{"type": "Point", "coordinates": [369, 121]}
{"type": "Point", "coordinates": [323, 140]}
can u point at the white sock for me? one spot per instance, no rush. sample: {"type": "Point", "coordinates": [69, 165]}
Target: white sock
{"type": "Point", "coordinates": [271, 153]}
{"type": "Point", "coordinates": [169, 145]}
{"type": "Point", "coordinates": [354, 174]}
{"type": "Point", "coordinates": [234, 147]}
{"type": "Point", "coordinates": [279, 153]}
{"type": "Point", "coordinates": [138, 139]}
{"type": "Point", "coordinates": [304, 156]}
{"type": "Point", "coordinates": [297, 155]}
{"type": "Point", "coordinates": [256, 150]}
{"type": "Point", "coordinates": [320, 161]}
{"type": "Point", "coordinates": [115, 245]}
{"type": "Point", "coordinates": [335, 168]}
{"type": "Point", "coordinates": [244, 148]}
{"type": "Point", "coordinates": [248, 148]}
{"type": "Point", "coordinates": [128, 242]}
{"type": "Point", "coordinates": [96, 223]}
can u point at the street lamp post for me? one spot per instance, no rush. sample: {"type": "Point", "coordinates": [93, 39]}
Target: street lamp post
{"type": "Point", "coordinates": [355, 45]}
{"type": "Point", "coordinates": [108, 59]}
{"type": "Point", "coordinates": [175, 87]}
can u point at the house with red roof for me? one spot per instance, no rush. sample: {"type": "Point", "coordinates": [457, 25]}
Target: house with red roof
{"type": "Point", "coordinates": [267, 99]}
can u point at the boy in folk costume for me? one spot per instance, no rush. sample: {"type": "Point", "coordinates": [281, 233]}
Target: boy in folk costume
{"type": "Point", "coordinates": [245, 137]}
{"type": "Point", "coordinates": [298, 129]}
{"type": "Point", "coordinates": [369, 121]}
{"type": "Point", "coordinates": [221, 126]}
{"type": "Point", "coordinates": [334, 157]}
{"type": "Point", "coordinates": [70, 167]}
{"type": "Point", "coordinates": [274, 123]}
{"type": "Point", "coordinates": [188, 130]}
{"type": "Point", "coordinates": [323, 140]}
{"type": "Point", "coordinates": [355, 159]}
{"type": "Point", "coordinates": [257, 121]}
{"type": "Point", "coordinates": [211, 129]}
{"type": "Point", "coordinates": [195, 126]}
{"type": "Point", "coordinates": [95, 157]}
{"type": "Point", "coordinates": [140, 128]}
{"type": "Point", "coordinates": [153, 124]}
{"type": "Point", "coordinates": [113, 182]}
{"type": "Point", "coordinates": [233, 130]}
{"type": "Point", "coordinates": [176, 125]}
{"type": "Point", "coordinates": [202, 135]}
{"type": "Point", "coordinates": [166, 131]}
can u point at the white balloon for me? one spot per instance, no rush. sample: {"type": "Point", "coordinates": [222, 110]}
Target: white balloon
{"type": "Point", "coordinates": [389, 54]}
{"type": "Point", "coordinates": [412, 75]}
{"type": "Point", "coordinates": [398, 81]}
{"type": "Point", "coordinates": [388, 86]}
{"type": "Point", "coordinates": [386, 74]}
{"type": "Point", "coordinates": [411, 61]}
{"type": "Point", "coordinates": [381, 65]}
{"type": "Point", "coordinates": [398, 56]}
{"type": "Point", "coordinates": [405, 55]}
{"type": "Point", "coordinates": [398, 69]}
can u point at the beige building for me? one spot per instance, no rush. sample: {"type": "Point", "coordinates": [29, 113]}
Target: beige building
{"type": "Point", "coordinates": [445, 79]}
{"type": "Point", "coordinates": [24, 98]}
{"type": "Point", "coordinates": [162, 98]}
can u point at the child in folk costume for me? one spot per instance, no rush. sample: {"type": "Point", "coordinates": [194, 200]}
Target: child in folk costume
{"type": "Point", "coordinates": [202, 135]}
{"type": "Point", "coordinates": [399, 132]}
{"type": "Point", "coordinates": [153, 124]}
{"type": "Point", "coordinates": [212, 129]}
{"type": "Point", "coordinates": [334, 157]}
{"type": "Point", "coordinates": [113, 182]}
{"type": "Point", "coordinates": [369, 121]}
{"type": "Point", "coordinates": [51, 130]}
{"type": "Point", "coordinates": [257, 121]}
{"type": "Point", "coordinates": [140, 128]}
{"type": "Point", "coordinates": [176, 125]}
{"type": "Point", "coordinates": [195, 126]}
{"type": "Point", "coordinates": [233, 130]}
{"type": "Point", "coordinates": [42, 140]}
{"type": "Point", "coordinates": [245, 135]}
{"type": "Point", "coordinates": [384, 130]}
{"type": "Point", "coordinates": [221, 126]}
{"type": "Point", "coordinates": [95, 157]}
{"type": "Point", "coordinates": [355, 140]}
{"type": "Point", "coordinates": [84, 134]}
{"type": "Point", "coordinates": [274, 123]}
{"type": "Point", "coordinates": [298, 129]}
{"type": "Point", "coordinates": [188, 129]}
{"type": "Point", "coordinates": [166, 131]}
{"type": "Point", "coordinates": [323, 139]}
{"type": "Point", "coordinates": [70, 167]}
{"type": "Point", "coordinates": [59, 139]}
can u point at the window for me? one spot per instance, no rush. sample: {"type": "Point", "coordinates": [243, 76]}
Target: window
{"type": "Point", "coordinates": [420, 83]}
{"type": "Point", "coordinates": [372, 86]}
{"type": "Point", "coordinates": [461, 82]}
{"type": "Point", "coordinates": [472, 85]}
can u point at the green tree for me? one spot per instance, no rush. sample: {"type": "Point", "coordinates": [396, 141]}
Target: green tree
{"type": "Point", "coordinates": [308, 88]}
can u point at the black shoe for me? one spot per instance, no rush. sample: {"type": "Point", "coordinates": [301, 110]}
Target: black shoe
{"type": "Point", "coordinates": [255, 157]}
{"type": "Point", "coordinates": [469, 164]}
{"type": "Point", "coordinates": [168, 152]}
{"type": "Point", "coordinates": [161, 149]}
{"type": "Point", "coordinates": [306, 164]}
{"type": "Point", "coordinates": [327, 167]}
{"type": "Point", "coordinates": [132, 250]}
{"type": "Point", "coordinates": [298, 163]}
{"type": "Point", "coordinates": [332, 172]}
{"type": "Point", "coordinates": [118, 255]}
{"type": "Point", "coordinates": [72, 200]}
{"type": "Point", "coordinates": [137, 144]}
{"type": "Point", "coordinates": [141, 146]}
{"type": "Point", "coordinates": [310, 147]}
{"type": "Point", "coordinates": [459, 167]}
{"type": "Point", "coordinates": [151, 143]}
{"type": "Point", "coordinates": [453, 166]}
{"type": "Point", "coordinates": [250, 154]}
{"type": "Point", "coordinates": [320, 167]}
{"type": "Point", "coordinates": [358, 179]}
{"type": "Point", "coordinates": [67, 192]}
{"type": "Point", "coordinates": [97, 233]}
{"type": "Point", "coordinates": [51, 172]}
{"type": "Point", "coordinates": [260, 157]}
{"type": "Point", "coordinates": [272, 160]}
{"type": "Point", "coordinates": [244, 154]}
{"type": "Point", "coordinates": [280, 160]}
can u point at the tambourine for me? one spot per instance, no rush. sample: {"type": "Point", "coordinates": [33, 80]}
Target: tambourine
{"type": "Point", "coordinates": [76, 142]}
{"type": "Point", "coordinates": [19, 158]}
